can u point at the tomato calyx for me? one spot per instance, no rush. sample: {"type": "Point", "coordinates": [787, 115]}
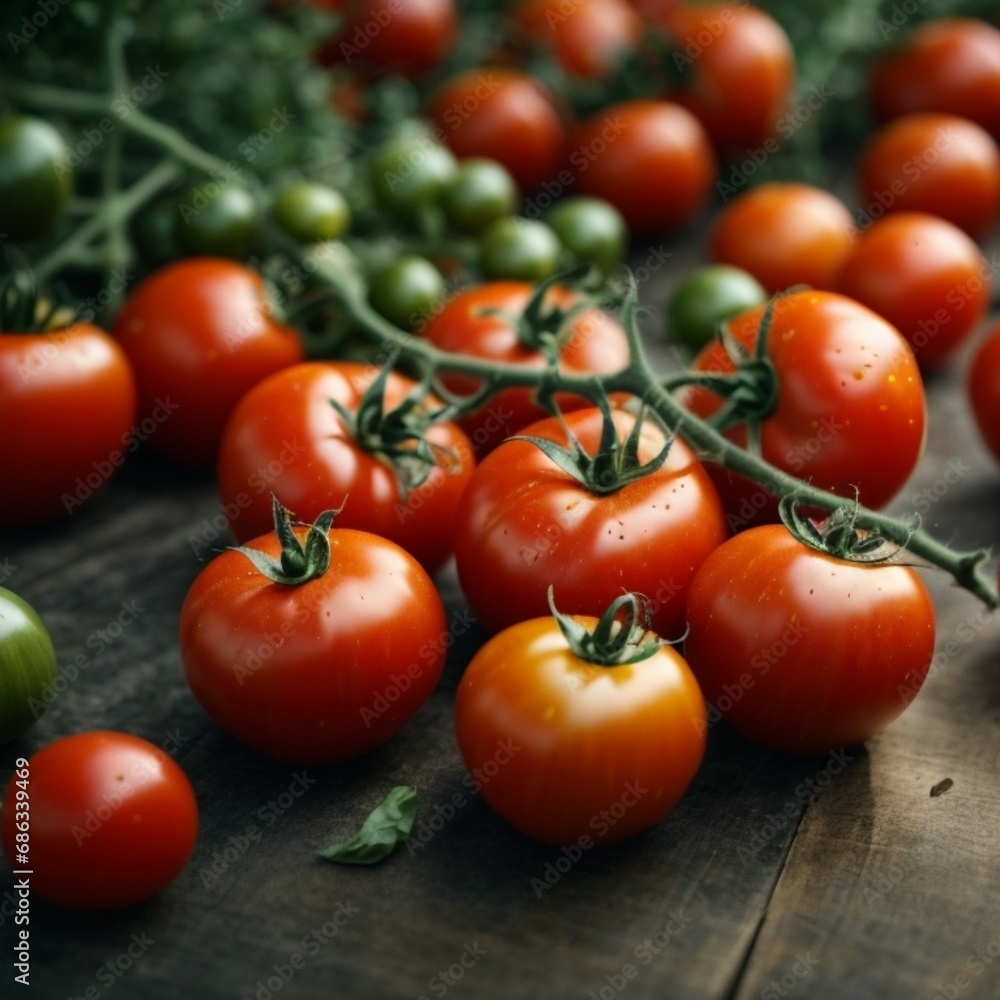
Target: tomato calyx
{"type": "Point", "coordinates": [397, 436]}
{"type": "Point", "coordinates": [298, 563]}
{"type": "Point", "coordinates": [614, 465]}
{"type": "Point", "coordinates": [22, 307]}
{"type": "Point", "coordinates": [613, 642]}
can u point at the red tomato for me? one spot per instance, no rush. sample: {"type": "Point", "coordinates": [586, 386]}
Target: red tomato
{"type": "Point", "coordinates": [199, 333]}
{"type": "Point", "coordinates": [850, 412]}
{"type": "Point", "coordinates": [480, 321]}
{"type": "Point", "coordinates": [740, 71]}
{"type": "Point", "coordinates": [651, 159]}
{"type": "Point", "coordinates": [67, 405]}
{"type": "Point", "coordinates": [504, 115]}
{"type": "Point", "coordinates": [923, 275]}
{"type": "Point", "coordinates": [525, 523]}
{"type": "Point", "coordinates": [784, 234]}
{"type": "Point", "coordinates": [587, 37]}
{"type": "Point", "coordinates": [802, 651]}
{"type": "Point", "coordinates": [286, 438]}
{"type": "Point", "coordinates": [948, 64]}
{"type": "Point", "coordinates": [935, 163]}
{"type": "Point", "coordinates": [109, 820]}
{"type": "Point", "coordinates": [572, 752]}
{"type": "Point", "coordinates": [321, 671]}
{"type": "Point", "coordinates": [984, 389]}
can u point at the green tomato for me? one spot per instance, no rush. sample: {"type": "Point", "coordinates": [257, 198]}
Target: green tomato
{"type": "Point", "coordinates": [410, 173]}
{"type": "Point", "coordinates": [27, 666]}
{"type": "Point", "coordinates": [311, 212]}
{"type": "Point", "coordinates": [702, 302]}
{"type": "Point", "coordinates": [592, 229]}
{"type": "Point", "coordinates": [217, 222]}
{"type": "Point", "coordinates": [36, 178]}
{"type": "Point", "coordinates": [154, 234]}
{"type": "Point", "coordinates": [481, 192]}
{"type": "Point", "coordinates": [519, 249]}
{"type": "Point", "coordinates": [407, 290]}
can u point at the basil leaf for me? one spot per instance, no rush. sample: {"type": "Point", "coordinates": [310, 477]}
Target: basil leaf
{"type": "Point", "coordinates": [388, 825]}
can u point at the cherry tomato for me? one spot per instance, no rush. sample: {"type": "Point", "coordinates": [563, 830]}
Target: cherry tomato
{"type": "Point", "coordinates": [704, 300]}
{"type": "Point", "coordinates": [651, 159]}
{"type": "Point", "coordinates": [948, 64]}
{"type": "Point", "coordinates": [984, 388]}
{"type": "Point", "coordinates": [525, 523]}
{"type": "Point", "coordinates": [802, 651]}
{"type": "Point", "coordinates": [286, 437]}
{"type": "Point", "coordinates": [214, 222]}
{"type": "Point", "coordinates": [71, 396]}
{"type": "Point", "coordinates": [577, 753]}
{"type": "Point", "coordinates": [112, 820]}
{"type": "Point", "coordinates": [850, 412]}
{"type": "Point", "coordinates": [199, 334]}
{"type": "Point", "coordinates": [935, 163]}
{"type": "Point", "coordinates": [740, 72]}
{"type": "Point", "coordinates": [407, 290]}
{"type": "Point", "coordinates": [481, 192]}
{"type": "Point", "coordinates": [481, 321]}
{"type": "Point", "coordinates": [505, 115]}
{"type": "Point", "coordinates": [591, 229]}
{"type": "Point", "coordinates": [411, 172]}
{"type": "Point", "coordinates": [319, 671]}
{"type": "Point", "coordinates": [519, 249]}
{"type": "Point", "coordinates": [27, 666]}
{"type": "Point", "coordinates": [311, 212]}
{"type": "Point", "coordinates": [784, 234]}
{"type": "Point", "coordinates": [923, 275]}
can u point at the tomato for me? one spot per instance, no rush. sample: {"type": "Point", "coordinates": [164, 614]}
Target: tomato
{"type": "Point", "coordinates": [505, 115]}
{"type": "Point", "coordinates": [409, 173]}
{"type": "Point", "coordinates": [481, 321]}
{"type": "Point", "coordinates": [27, 666]}
{"type": "Point", "coordinates": [113, 820]}
{"type": "Point", "coordinates": [199, 334]}
{"type": "Point", "coordinates": [525, 523]}
{"type": "Point", "coordinates": [947, 64]}
{"type": "Point", "coordinates": [287, 438]}
{"type": "Point", "coordinates": [923, 275]}
{"type": "Point", "coordinates": [935, 163]}
{"type": "Point", "coordinates": [217, 222]}
{"type": "Point", "coordinates": [578, 752]}
{"type": "Point", "coordinates": [36, 177]}
{"type": "Point", "coordinates": [317, 671]}
{"type": "Point", "coordinates": [784, 234]}
{"type": "Point", "coordinates": [984, 388]}
{"type": "Point", "coordinates": [739, 72]}
{"type": "Point", "coordinates": [389, 36]}
{"type": "Point", "coordinates": [708, 297]}
{"type": "Point", "coordinates": [651, 159]}
{"type": "Point", "coordinates": [802, 651]}
{"type": "Point", "coordinates": [407, 290]}
{"type": "Point", "coordinates": [519, 249]}
{"type": "Point", "coordinates": [311, 212]}
{"type": "Point", "coordinates": [591, 229]}
{"type": "Point", "coordinates": [71, 396]}
{"type": "Point", "coordinates": [481, 192]}
{"type": "Point", "coordinates": [850, 413]}
{"type": "Point", "coordinates": [588, 38]}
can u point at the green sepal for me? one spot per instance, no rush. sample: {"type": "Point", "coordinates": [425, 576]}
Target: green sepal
{"type": "Point", "coordinates": [612, 643]}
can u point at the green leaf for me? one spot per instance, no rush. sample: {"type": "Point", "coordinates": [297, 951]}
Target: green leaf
{"type": "Point", "coordinates": [387, 826]}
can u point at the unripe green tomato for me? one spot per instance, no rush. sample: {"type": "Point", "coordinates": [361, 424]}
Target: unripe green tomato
{"type": "Point", "coordinates": [410, 173]}
{"type": "Point", "coordinates": [217, 221]}
{"type": "Point", "coordinates": [27, 666]}
{"type": "Point", "coordinates": [407, 290]}
{"type": "Point", "coordinates": [519, 249]}
{"type": "Point", "coordinates": [592, 229]}
{"type": "Point", "coordinates": [481, 192]}
{"type": "Point", "coordinates": [711, 295]}
{"type": "Point", "coordinates": [36, 178]}
{"type": "Point", "coordinates": [311, 212]}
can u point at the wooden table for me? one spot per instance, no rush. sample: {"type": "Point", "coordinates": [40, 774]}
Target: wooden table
{"type": "Point", "coordinates": [830, 877]}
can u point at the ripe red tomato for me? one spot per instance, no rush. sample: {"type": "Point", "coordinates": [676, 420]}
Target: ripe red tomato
{"type": "Point", "coordinates": [504, 115]}
{"type": "Point", "coordinates": [588, 37]}
{"type": "Point", "coordinates": [572, 752]}
{"type": "Point", "coordinates": [319, 671]}
{"type": "Point", "coordinates": [480, 321]}
{"type": "Point", "coordinates": [802, 651]}
{"type": "Point", "coordinates": [948, 64]}
{"type": "Point", "coordinates": [984, 388]}
{"type": "Point", "coordinates": [922, 274]}
{"type": "Point", "coordinates": [850, 412]}
{"type": "Point", "coordinates": [651, 159]}
{"type": "Point", "coordinates": [740, 71]}
{"type": "Point", "coordinates": [67, 403]}
{"type": "Point", "coordinates": [199, 333]}
{"type": "Point", "coordinates": [935, 163]}
{"type": "Point", "coordinates": [286, 438]}
{"type": "Point", "coordinates": [109, 820]}
{"type": "Point", "coordinates": [525, 524]}
{"type": "Point", "coordinates": [784, 234]}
